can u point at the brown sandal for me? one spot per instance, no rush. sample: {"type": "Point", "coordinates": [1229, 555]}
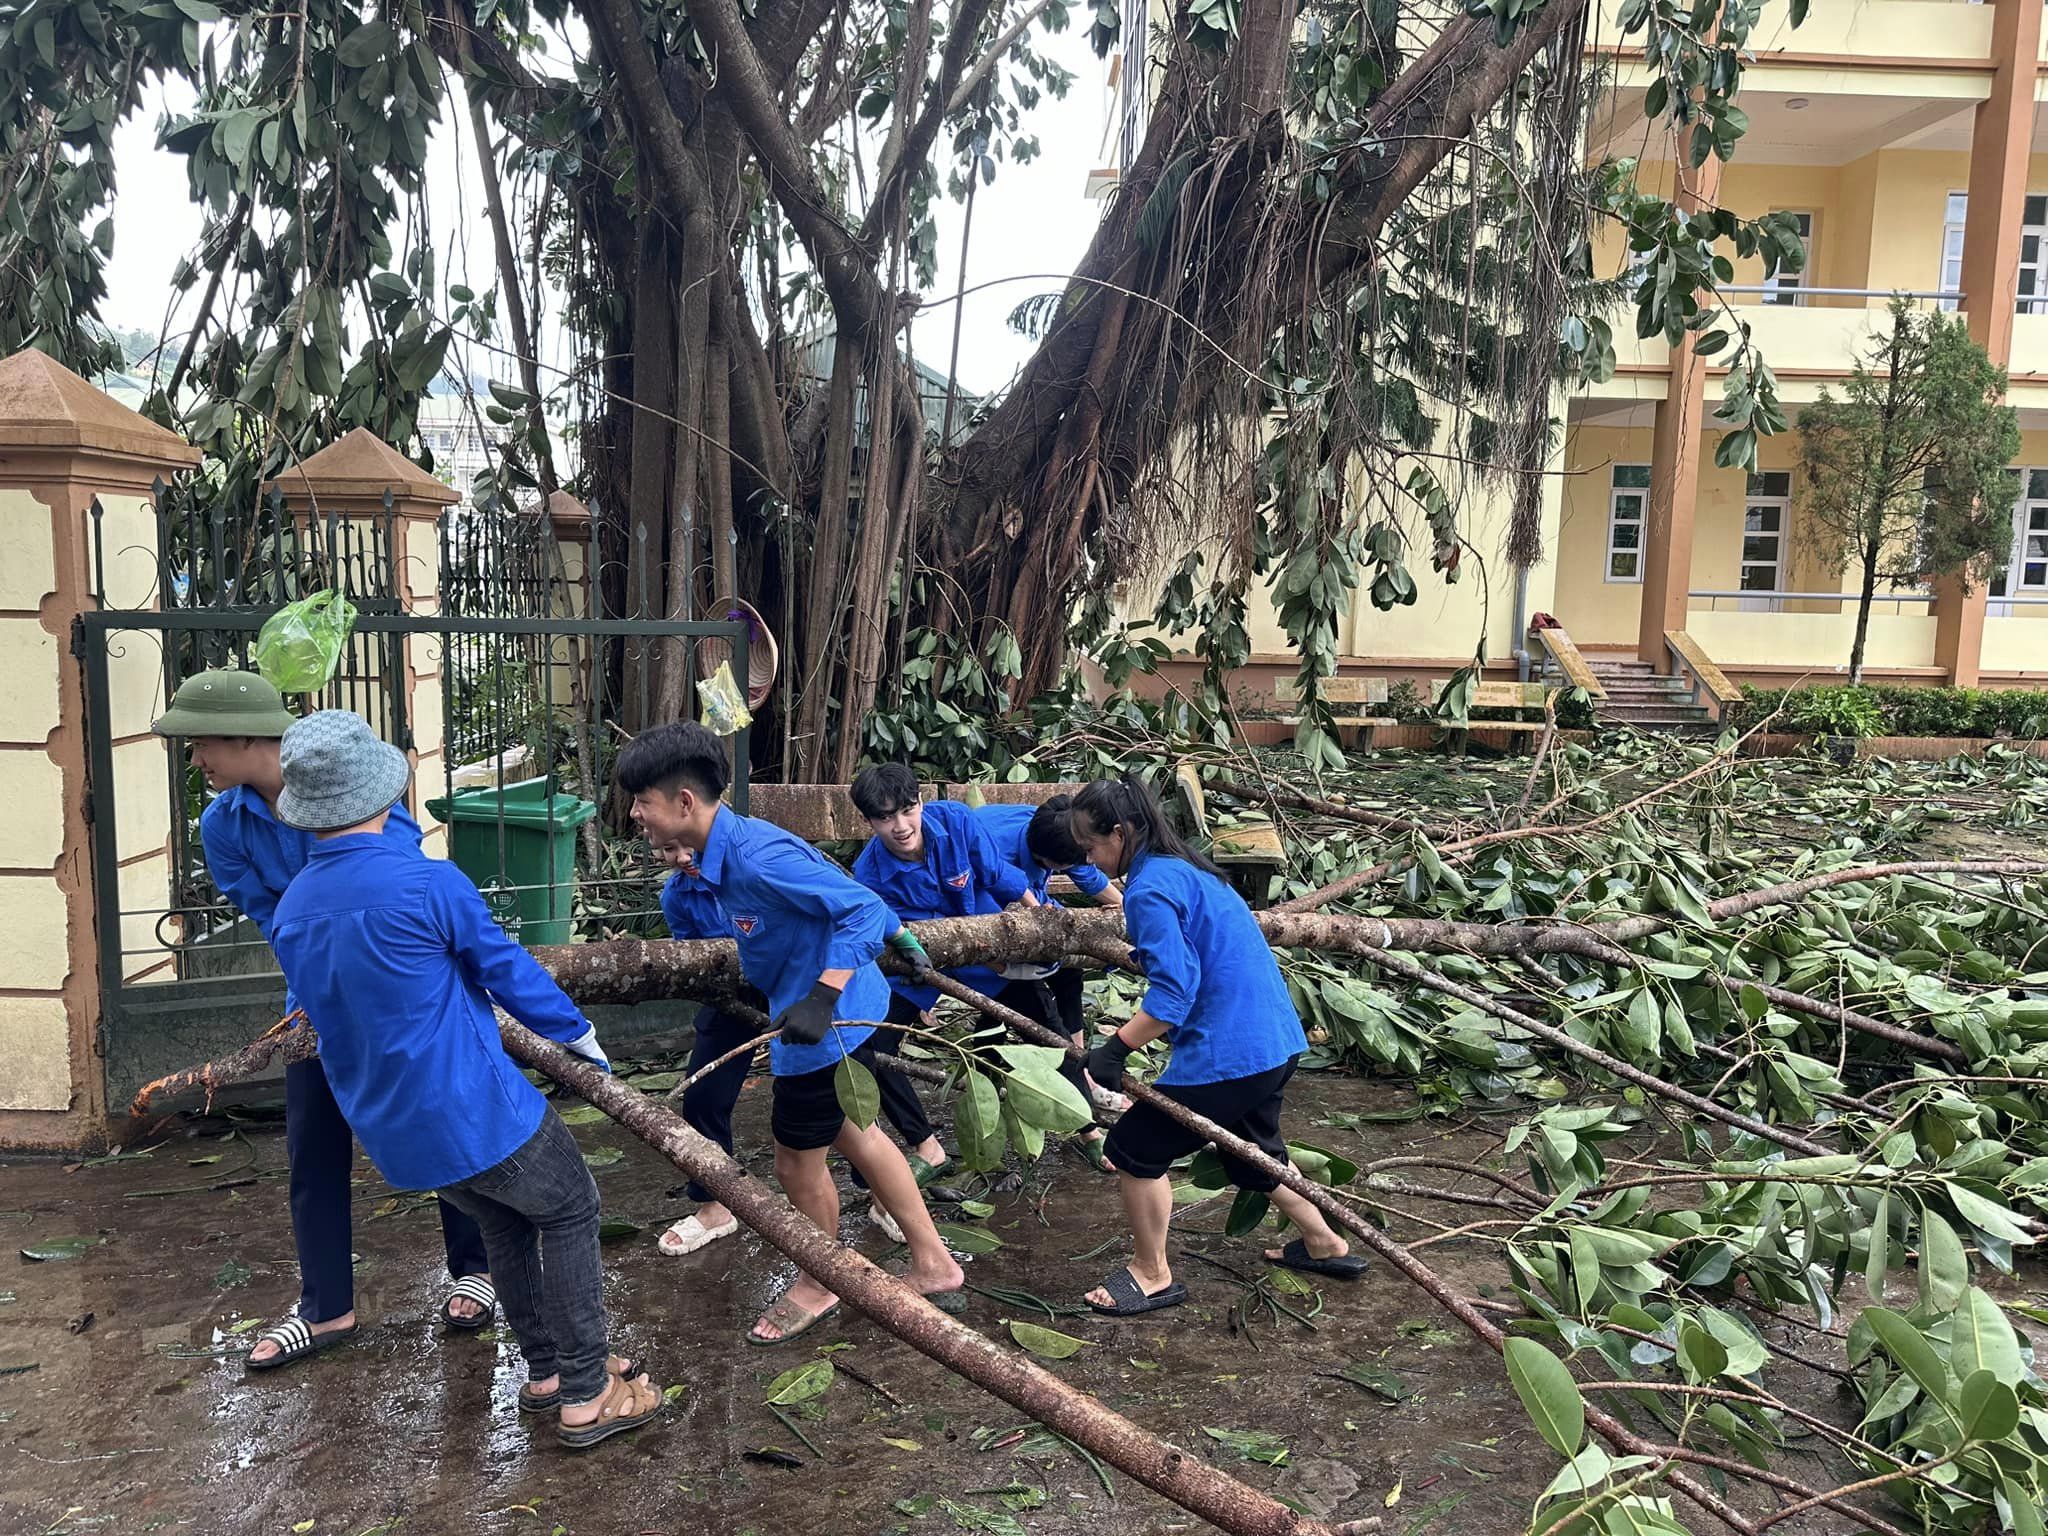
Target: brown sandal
{"type": "Point", "coordinates": [628, 1403]}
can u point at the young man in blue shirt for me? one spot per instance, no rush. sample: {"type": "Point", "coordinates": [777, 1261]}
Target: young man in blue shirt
{"type": "Point", "coordinates": [941, 859]}
{"type": "Point", "coordinates": [1214, 990]}
{"type": "Point", "coordinates": [808, 938]}
{"type": "Point", "coordinates": [691, 911]}
{"type": "Point", "coordinates": [231, 723]}
{"type": "Point", "coordinates": [398, 962]}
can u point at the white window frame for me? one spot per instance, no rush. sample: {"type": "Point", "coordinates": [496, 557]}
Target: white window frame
{"type": "Point", "coordinates": [2033, 298]}
{"type": "Point", "coordinates": [1785, 286]}
{"type": "Point", "coordinates": [1640, 521]}
{"type": "Point", "coordinates": [1957, 216]}
{"type": "Point", "coordinates": [1767, 599]}
{"type": "Point", "coordinates": [2029, 522]}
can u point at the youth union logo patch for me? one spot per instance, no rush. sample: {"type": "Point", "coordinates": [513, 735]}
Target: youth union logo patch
{"type": "Point", "coordinates": [959, 881]}
{"type": "Point", "coordinates": [746, 925]}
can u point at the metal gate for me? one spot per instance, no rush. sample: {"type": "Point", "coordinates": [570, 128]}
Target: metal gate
{"type": "Point", "coordinates": [184, 977]}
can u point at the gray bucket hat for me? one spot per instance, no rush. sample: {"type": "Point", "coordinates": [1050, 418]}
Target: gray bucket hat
{"type": "Point", "coordinates": [337, 773]}
{"type": "Point", "coordinates": [225, 703]}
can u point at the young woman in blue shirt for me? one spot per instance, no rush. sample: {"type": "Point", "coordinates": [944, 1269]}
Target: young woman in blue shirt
{"type": "Point", "coordinates": [1214, 991]}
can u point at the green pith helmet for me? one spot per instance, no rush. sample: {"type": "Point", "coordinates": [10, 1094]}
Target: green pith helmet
{"type": "Point", "coordinates": [225, 704]}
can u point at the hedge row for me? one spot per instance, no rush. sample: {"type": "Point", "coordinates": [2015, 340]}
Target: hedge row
{"type": "Point", "coordinates": [1898, 711]}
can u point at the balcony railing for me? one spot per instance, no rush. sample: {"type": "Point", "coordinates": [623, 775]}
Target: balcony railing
{"type": "Point", "coordinates": [1774, 601]}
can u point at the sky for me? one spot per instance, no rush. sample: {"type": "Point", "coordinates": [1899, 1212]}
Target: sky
{"type": "Point", "coordinates": [1033, 220]}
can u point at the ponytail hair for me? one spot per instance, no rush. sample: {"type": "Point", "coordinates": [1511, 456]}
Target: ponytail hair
{"type": "Point", "coordinates": [1126, 802]}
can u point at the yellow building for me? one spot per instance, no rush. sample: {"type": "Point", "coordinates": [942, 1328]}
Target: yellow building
{"type": "Point", "coordinates": [1904, 133]}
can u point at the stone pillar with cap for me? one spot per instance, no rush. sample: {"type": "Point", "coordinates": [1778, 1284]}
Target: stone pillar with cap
{"type": "Point", "coordinates": [76, 519]}
{"type": "Point", "coordinates": [362, 481]}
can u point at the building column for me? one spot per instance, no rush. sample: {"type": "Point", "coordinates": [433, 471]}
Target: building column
{"type": "Point", "coordinates": [1675, 467]}
{"type": "Point", "coordinates": [76, 475]}
{"type": "Point", "coordinates": [2001, 140]}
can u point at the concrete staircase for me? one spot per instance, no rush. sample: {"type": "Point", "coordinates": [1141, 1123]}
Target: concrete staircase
{"type": "Point", "coordinates": [1640, 696]}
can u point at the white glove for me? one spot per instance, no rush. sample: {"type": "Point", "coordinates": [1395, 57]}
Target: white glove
{"type": "Point", "coordinates": [1025, 971]}
{"type": "Point", "coordinates": [586, 1046]}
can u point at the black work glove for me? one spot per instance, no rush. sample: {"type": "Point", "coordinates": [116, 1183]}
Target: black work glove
{"type": "Point", "coordinates": [805, 1021]}
{"type": "Point", "coordinates": [1106, 1062]}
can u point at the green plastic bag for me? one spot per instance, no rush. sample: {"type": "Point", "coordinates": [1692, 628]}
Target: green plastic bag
{"type": "Point", "coordinates": [300, 644]}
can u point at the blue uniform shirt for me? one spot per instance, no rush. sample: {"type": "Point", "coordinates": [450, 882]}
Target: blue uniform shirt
{"type": "Point", "coordinates": [797, 916]}
{"type": "Point", "coordinates": [253, 856]}
{"type": "Point", "coordinates": [691, 909]}
{"type": "Point", "coordinates": [1008, 824]}
{"type": "Point", "coordinates": [1210, 976]}
{"type": "Point", "coordinates": [397, 961]}
{"type": "Point", "coordinates": [962, 874]}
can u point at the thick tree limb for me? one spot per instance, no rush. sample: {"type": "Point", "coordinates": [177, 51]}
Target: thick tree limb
{"type": "Point", "coordinates": [1189, 1481]}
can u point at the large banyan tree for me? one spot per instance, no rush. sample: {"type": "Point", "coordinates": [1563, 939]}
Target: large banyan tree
{"type": "Point", "coordinates": [1346, 270]}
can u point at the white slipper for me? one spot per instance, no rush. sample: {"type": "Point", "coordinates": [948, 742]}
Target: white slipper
{"type": "Point", "coordinates": [884, 1222]}
{"type": "Point", "coordinates": [690, 1234]}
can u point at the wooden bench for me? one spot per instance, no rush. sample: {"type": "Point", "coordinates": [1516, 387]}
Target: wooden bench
{"type": "Point", "coordinates": [1250, 855]}
{"type": "Point", "coordinates": [1518, 697]}
{"type": "Point", "coordinates": [1349, 699]}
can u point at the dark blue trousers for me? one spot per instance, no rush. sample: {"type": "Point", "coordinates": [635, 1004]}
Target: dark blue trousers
{"type": "Point", "coordinates": [708, 1105]}
{"type": "Point", "coordinates": [321, 1150]}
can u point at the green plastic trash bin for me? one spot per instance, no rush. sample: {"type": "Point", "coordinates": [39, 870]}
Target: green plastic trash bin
{"type": "Point", "coordinates": [536, 857]}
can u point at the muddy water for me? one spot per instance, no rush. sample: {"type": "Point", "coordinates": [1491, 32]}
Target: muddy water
{"type": "Point", "coordinates": [145, 1420]}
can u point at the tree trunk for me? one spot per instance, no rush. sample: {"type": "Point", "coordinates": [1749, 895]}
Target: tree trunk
{"type": "Point", "coordinates": [823, 613]}
{"type": "Point", "coordinates": [1863, 599]}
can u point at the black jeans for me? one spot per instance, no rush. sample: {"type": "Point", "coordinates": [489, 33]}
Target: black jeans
{"type": "Point", "coordinates": [708, 1105]}
{"type": "Point", "coordinates": [321, 1151]}
{"type": "Point", "coordinates": [539, 1213]}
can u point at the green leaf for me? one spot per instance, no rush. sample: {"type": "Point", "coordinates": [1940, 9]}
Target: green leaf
{"type": "Point", "coordinates": [1246, 1212]}
{"type": "Point", "coordinates": [614, 1230]}
{"type": "Point", "coordinates": [978, 1123]}
{"type": "Point", "coordinates": [1990, 1409]}
{"type": "Point", "coordinates": [1041, 1097]}
{"type": "Point", "coordinates": [1378, 1380]}
{"type": "Point", "coordinates": [1879, 1259]}
{"type": "Point", "coordinates": [1944, 1269]}
{"type": "Point", "coordinates": [234, 1272]}
{"type": "Point", "coordinates": [368, 43]}
{"type": "Point", "coordinates": [1908, 1345]}
{"type": "Point", "coordinates": [1046, 1343]}
{"type": "Point", "coordinates": [969, 1240]}
{"type": "Point", "coordinates": [53, 1249]}
{"type": "Point", "coordinates": [2026, 1516]}
{"type": "Point", "coordinates": [1981, 1339]}
{"type": "Point", "coordinates": [860, 1097]}
{"type": "Point", "coordinates": [603, 1157]}
{"type": "Point", "coordinates": [1548, 1393]}
{"type": "Point", "coordinates": [1251, 1444]}
{"type": "Point", "coordinates": [1702, 1355]}
{"type": "Point", "coordinates": [800, 1383]}
{"type": "Point", "coordinates": [584, 1114]}
{"type": "Point", "coordinates": [1746, 1353]}
{"type": "Point", "coordinates": [1988, 1216]}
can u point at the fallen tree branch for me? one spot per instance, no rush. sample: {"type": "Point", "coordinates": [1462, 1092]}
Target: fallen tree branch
{"type": "Point", "coordinates": [1342, 1215]}
{"type": "Point", "coordinates": [1294, 800]}
{"type": "Point", "coordinates": [1190, 1482]}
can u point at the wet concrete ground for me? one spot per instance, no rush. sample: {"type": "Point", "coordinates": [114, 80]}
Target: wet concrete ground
{"type": "Point", "coordinates": [144, 1420]}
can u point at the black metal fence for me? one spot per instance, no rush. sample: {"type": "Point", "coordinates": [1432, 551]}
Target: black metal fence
{"type": "Point", "coordinates": [513, 686]}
